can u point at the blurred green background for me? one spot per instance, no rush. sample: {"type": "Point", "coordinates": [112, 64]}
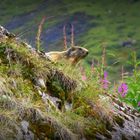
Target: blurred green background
{"type": "Point", "coordinates": [114, 24]}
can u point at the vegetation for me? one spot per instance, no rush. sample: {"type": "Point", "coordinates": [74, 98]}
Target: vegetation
{"type": "Point", "coordinates": [104, 22]}
{"type": "Point", "coordinates": [62, 101]}
{"type": "Point", "coordinates": [133, 95]}
{"type": "Point", "coordinates": [92, 111]}
{"type": "Point", "coordinates": [19, 70]}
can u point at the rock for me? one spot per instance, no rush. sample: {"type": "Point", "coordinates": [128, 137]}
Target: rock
{"type": "Point", "coordinates": [52, 101]}
{"type": "Point", "coordinates": [28, 135]}
{"type": "Point", "coordinates": [40, 82]}
{"type": "Point", "coordinates": [126, 125]}
{"type": "Point", "coordinates": [68, 106]}
{"type": "Point", "coordinates": [5, 33]}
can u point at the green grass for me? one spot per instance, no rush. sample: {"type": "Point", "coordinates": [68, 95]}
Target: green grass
{"type": "Point", "coordinates": [17, 86]}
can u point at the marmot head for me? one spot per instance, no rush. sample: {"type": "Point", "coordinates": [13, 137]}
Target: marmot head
{"type": "Point", "coordinates": [76, 53]}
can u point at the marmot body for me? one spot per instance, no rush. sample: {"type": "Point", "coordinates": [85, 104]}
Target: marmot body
{"type": "Point", "coordinates": [73, 54]}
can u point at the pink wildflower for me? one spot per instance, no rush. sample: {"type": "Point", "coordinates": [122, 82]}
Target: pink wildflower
{"type": "Point", "coordinates": [104, 81]}
{"type": "Point", "coordinates": [84, 78]}
{"type": "Point", "coordinates": [123, 89]}
{"type": "Point", "coordinates": [105, 74]}
{"type": "Point", "coordinates": [139, 104]}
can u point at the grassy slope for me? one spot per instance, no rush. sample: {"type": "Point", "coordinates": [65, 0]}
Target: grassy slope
{"type": "Point", "coordinates": [114, 22]}
{"type": "Point", "coordinates": [17, 73]}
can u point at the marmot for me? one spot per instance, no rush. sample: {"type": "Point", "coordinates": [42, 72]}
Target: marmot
{"type": "Point", "coordinates": [73, 54]}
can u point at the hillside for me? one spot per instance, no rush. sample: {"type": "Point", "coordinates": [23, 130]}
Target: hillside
{"type": "Point", "coordinates": [87, 88]}
{"type": "Point", "coordinates": [114, 24]}
{"type": "Point", "coordinates": [42, 100]}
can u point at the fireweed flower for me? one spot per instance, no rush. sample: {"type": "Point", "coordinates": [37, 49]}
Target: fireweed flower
{"type": "Point", "coordinates": [104, 81]}
{"type": "Point", "coordinates": [139, 103]}
{"type": "Point", "coordinates": [84, 78]}
{"type": "Point", "coordinates": [105, 74]}
{"type": "Point", "coordinates": [123, 89]}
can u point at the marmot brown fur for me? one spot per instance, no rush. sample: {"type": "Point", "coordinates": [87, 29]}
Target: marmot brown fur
{"type": "Point", "coordinates": [73, 54]}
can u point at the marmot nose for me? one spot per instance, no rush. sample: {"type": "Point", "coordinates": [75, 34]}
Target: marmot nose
{"type": "Point", "coordinates": [87, 53]}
